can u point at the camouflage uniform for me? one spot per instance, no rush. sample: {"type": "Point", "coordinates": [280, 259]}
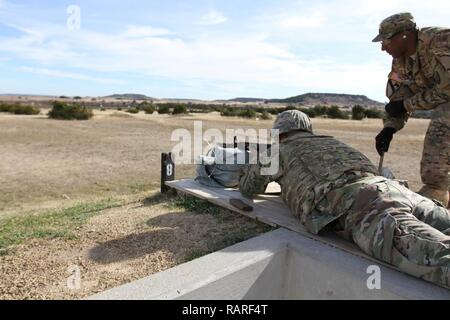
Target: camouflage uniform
{"type": "Point", "coordinates": [326, 183]}
{"type": "Point", "coordinates": [423, 83]}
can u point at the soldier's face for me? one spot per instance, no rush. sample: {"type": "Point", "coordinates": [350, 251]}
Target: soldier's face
{"type": "Point", "coordinates": [395, 46]}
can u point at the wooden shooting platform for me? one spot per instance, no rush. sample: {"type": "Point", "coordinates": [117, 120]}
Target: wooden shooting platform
{"type": "Point", "coordinates": [267, 208]}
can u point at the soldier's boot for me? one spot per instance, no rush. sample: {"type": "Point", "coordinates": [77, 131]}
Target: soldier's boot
{"type": "Point", "coordinates": [433, 193]}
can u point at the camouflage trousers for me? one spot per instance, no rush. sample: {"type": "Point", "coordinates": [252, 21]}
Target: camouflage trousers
{"type": "Point", "coordinates": [435, 164]}
{"type": "Point", "coordinates": [391, 223]}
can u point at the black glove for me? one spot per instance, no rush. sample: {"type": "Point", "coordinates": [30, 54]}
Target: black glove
{"type": "Point", "coordinates": [395, 108]}
{"type": "Point", "coordinates": [383, 140]}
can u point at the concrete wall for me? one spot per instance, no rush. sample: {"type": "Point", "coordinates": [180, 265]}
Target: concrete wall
{"type": "Point", "coordinates": [278, 265]}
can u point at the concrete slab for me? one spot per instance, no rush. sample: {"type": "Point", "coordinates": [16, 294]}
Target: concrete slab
{"type": "Point", "coordinates": [278, 265]}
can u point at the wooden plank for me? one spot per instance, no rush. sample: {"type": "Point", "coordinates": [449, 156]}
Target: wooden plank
{"type": "Point", "coordinates": [268, 209]}
{"type": "Point", "coordinates": [265, 208]}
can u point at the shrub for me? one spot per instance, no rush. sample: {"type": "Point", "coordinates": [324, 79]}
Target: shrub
{"type": "Point", "coordinates": [229, 112]}
{"type": "Point", "coordinates": [20, 109]}
{"type": "Point", "coordinates": [179, 109]}
{"type": "Point", "coordinates": [119, 109]}
{"type": "Point", "coordinates": [6, 107]}
{"type": "Point", "coordinates": [148, 109]}
{"type": "Point", "coordinates": [274, 111]}
{"type": "Point", "coordinates": [163, 109]}
{"type": "Point", "coordinates": [133, 110]}
{"type": "Point", "coordinates": [102, 109]}
{"type": "Point", "coordinates": [373, 113]}
{"type": "Point", "coordinates": [335, 113]}
{"type": "Point", "coordinates": [247, 113]}
{"type": "Point", "coordinates": [320, 110]}
{"type": "Point", "coordinates": [358, 112]}
{"type": "Point", "coordinates": [65, 111]}
{"type": "Point", "coordinates": [266, 116]}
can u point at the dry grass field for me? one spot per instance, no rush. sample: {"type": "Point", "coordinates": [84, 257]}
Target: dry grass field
{"type": "Point", "coordinates": [85, 194]}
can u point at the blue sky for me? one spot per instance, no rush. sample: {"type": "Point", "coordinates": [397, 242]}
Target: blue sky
{"type": "Point", "coordinates": [200, 49]}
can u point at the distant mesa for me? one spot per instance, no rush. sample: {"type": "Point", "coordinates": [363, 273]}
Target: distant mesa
{"type": "Point", "coordinates": [312, 99]}
{"type": "Point", "coordinates": [129, 96]}
{"type": "Point", "coordinates": [244, 100]}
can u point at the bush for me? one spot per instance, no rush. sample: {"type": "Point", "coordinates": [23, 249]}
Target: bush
{"type": "Point", "coordinates": [133, 110]}
{"type": "Point", "coordinates": [229, 112]}
{"type": "Point", "coordinates": [163, 109]}
{"type": "Point", "coordinates": [6, 107]}
{"type": "Point", "coordinates": [20, 109]}
{"type": "Point", "coordinates": [247, 113]}
{"type": "Point", "coordinates": [320, 110]}
{"type": "Point", "coordinates": [65, 111]}
{"type": "Point", "coordinates": [373, 113]}
{"type": "Point", "coordinates": [274, 111]}
{"type": "Point", "coordinates": [334, 112]}
{"type": "Point", "coordinates": [119, 109]}
{"type": "Point", "coordinates": [358, 112]}
{"type": "Point", "coordinates": [266, 116]}
{"type": "Point", "coordinates": [179, 109]}
{"type": "Point", "coordinates": [148, 109]}
{"type": "Point", "coordinates": [102, 109]}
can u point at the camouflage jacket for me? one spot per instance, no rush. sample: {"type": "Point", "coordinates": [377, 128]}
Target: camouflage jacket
{"type": "Point", "coordinates": [423, 80]}
{"type": "Point", "coordinates": [311, 169]}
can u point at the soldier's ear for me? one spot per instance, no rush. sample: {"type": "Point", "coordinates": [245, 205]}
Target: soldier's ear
{"type": "Point", "coordinates": [282, 136]}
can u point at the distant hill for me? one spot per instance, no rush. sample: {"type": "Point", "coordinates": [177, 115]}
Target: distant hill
{"type": "Point", "coordinates": [129, 96]}
{"type": "Point", "coordinates": [246, 100]}
{"type": "Point", "coordinates": [312, 99]}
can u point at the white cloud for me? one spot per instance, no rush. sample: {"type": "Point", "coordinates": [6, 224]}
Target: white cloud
{"type": "Point", "coordinates": [143, 31]}
{"type": "Point", "coordinates": [69, 75]}
{"type": "Point", "coordinates": [226, 63]}
{"type": "Point", "coordinates": [213, 17]}
{"type": "Point", "coordinates": [317, 19]}
{"type": "Point", "coordinates": [234, 63]}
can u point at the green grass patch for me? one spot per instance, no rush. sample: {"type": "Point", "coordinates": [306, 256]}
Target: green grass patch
{"type": "Point", "coordinates": [54, 224]}
{"type": "Point", "coordinates": [194, 205]}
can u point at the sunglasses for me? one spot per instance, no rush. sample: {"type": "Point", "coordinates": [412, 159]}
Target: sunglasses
{"type": "Point", "coordinates": [389, 40]}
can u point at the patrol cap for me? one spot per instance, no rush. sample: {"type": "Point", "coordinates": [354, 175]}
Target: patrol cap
{"type": "Point", "coordinates": [394, 24]}
{"type": "Point", "coordinates": [292, 120]}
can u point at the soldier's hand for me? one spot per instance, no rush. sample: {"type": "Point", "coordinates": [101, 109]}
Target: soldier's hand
{"type": "Point", "coordinates": [383, 140]}
{"type": "Point", "coordinates": [395, 108]}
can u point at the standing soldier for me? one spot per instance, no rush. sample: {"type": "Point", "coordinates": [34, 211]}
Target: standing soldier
{"type": "Point", "coordinates": [419, 80]}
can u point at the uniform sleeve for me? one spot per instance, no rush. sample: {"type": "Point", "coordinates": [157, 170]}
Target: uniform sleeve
{"type": "Point", "coordinates": [252, 182]}
{"type": "Point", "coordinates": [439, 93]}
{"type": "Point", "coordinates": [396, 90]}
{"type": "Point", "coordinates": [396, 123]}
